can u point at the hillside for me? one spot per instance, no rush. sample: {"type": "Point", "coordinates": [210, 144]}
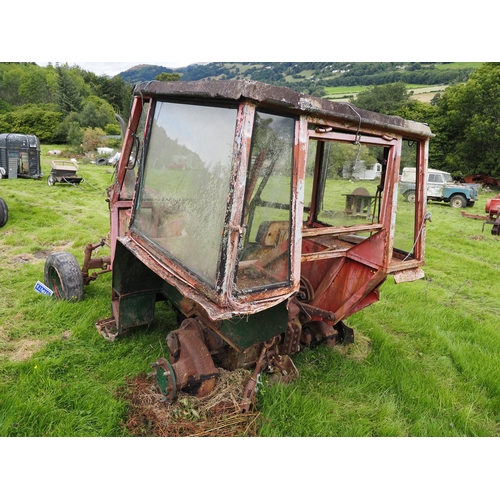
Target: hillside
{"type": "Point", "coordinates": [319, 78]}
{"type": "Point", "coordinates": [143, 73]}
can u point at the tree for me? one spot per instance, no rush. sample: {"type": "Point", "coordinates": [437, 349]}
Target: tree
{"type": "Point", "coordinates": [67, 96]}
{"type": "Point", "coordinates": [115, 91]}
{"type": "Point", "coordinates": [33, 86]}
{"type": "Point", "coordinates": [383, 98]}
{"type": "Point", "coordinates": [92, 139]}
{"type": "Point", "coordinates": [9, 84]}
{"type": "Point", "coordinates": [96, 113]}
{"type": "Point", "coordinates": [168, 77]}
{"type": "Point", "coordinates": [468, 124]}
{"type": "Point", "coordinates": [75, 135]}
{"type": "Point", "coordinates": [32, 119]}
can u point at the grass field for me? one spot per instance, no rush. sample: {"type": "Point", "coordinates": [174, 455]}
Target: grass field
{"type": "Point", "coordinates": [423, 93]}
{"type": "Point", "coordinates": [425, 362]}
{"type": "Point", "coordinates": [345, 94]}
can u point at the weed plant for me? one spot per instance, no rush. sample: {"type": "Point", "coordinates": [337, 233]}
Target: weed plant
{"type": "Point", "coordinates": [425, 361]}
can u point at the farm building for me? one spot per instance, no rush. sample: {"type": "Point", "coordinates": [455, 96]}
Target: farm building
{"type": "Point", "coordinates": [19, 156]}
{"type": "Point", "coordinates": [361, 171]}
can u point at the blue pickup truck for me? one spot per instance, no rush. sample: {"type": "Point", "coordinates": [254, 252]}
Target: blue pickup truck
{"type": "Point", "coordinates": [440, 187]}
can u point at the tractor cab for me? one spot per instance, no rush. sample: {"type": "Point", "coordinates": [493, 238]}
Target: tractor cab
{"type": "Point", "coordinates": [238, 211]}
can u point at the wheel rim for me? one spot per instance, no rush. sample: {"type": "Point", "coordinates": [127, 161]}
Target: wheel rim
{"type": "Point", "coordinates": [165, 378]}
{"type": "Point", "coordinates": [50, 181]}
{"type": "Point", "coordinates": [55, 282]}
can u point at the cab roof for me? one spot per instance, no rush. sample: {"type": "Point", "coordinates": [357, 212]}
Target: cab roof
{"type": "Point", "coordinates": [281, 98]}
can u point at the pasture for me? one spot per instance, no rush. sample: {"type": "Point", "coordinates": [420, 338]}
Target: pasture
{"type": "Point", "coordinates": [425, 363]}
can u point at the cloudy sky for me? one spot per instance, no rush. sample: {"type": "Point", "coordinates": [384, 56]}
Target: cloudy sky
{"type": "Point", "coordinates": [187, 34]}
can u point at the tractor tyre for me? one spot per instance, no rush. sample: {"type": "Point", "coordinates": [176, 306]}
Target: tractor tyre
{"type": "Point", "coordinates": [4, 213]}
{"type": "Point", "coordinates": [458, 201]}
{"type": "Point", "coordinates": [63, 276]}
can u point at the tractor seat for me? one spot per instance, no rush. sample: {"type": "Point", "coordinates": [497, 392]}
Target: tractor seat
{"type": "Point", "coordinates": [269, 235]}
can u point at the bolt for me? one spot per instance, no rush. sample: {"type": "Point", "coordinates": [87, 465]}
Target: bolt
{"type": "Point", "coordinates": [166, 374]}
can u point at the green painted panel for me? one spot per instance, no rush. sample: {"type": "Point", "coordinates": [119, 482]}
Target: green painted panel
{"type": "Point", "coordinates": [246, 331]}
{"type": "Point", "coordinates": [136, 310]}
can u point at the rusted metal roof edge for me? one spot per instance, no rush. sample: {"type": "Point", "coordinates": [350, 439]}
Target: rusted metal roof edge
{"type": "Point", "coordinates": [285, 98]}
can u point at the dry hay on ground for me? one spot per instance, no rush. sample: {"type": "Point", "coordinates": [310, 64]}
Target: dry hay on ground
{"type": "Point", "coordinates": [216, 415]}
{"type": "Point", "coordinates": [23, 348]}
{"type": "Point", "coordinates": [359, 350]}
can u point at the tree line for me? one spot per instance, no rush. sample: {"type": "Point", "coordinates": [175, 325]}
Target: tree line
{"type": "Point", "coordinates": [313, 77]}
{"type": "Point", "coordinates": [465, 119]}
{"type": "Point", "coordinates": [58, 103]}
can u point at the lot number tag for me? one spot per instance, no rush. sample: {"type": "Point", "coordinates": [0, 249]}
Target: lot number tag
{"type": "Point", "coordinates": [41, 288]}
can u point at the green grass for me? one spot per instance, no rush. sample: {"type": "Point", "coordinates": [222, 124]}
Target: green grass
{"type": "Point", "coordinates": [426, 359]}
{"type": "Point", "coordinates": [425, 362]}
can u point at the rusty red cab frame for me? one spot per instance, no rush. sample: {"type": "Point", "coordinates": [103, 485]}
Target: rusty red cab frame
{"type": "Point", "coordinates": [332, 271]}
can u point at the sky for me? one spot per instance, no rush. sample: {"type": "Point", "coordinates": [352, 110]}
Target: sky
{"type": "Point", "coordinates": [103, 33]}
{"type": "Point", "coordinates": [186, 32]}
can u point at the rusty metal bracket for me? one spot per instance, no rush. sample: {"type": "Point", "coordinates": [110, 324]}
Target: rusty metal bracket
{"type": "Point", "coordinates": [191, 367]}
{"type": "Point", "coordinates": [316, 312]}
{"type": "Point", "coordinates": [250, 390]}
{"type": "Point", "coordinates": [291, 341]}
{"type": "Point", "coordinates": [90, 263]}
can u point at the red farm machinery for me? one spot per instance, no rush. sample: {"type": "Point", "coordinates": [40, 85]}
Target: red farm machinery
{"type": "Point", "coordinates": [228, 204]}
{"type": "Point", "coordinates": [492, 208]}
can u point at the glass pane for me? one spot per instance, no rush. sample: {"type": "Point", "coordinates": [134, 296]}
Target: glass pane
{"type": "Point", "coordinates": [265, 250]}
{"type": "Point", "coordinates": [184, 191]}
{"type": "Point", "coordinates": [404, 233]}
{"type": "Point", "coordinates": [135, 159]}
{"type": "Point", "coordinates": [348, 177]}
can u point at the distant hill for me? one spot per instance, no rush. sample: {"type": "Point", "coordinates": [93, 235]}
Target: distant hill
{"type": "Point", "coordinates": [317, 78]}
{"type": "Point", "coordinates": [143, 73]}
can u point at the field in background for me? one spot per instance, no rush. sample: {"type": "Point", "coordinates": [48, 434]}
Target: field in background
{"type": "Point", "coordinates": [426, 361]}
{"type": "Point", "coordinates": [424, 93]}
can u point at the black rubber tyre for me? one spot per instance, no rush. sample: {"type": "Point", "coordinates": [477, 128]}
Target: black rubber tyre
{"type": "Point", "coordinates": [470, 203]}
{"type": "Point", "coordinates": [458, 201]}
{"type": "Point", "coordinates": [410, 196]}
{"type": "Point", "coordinates": [63, 276]}
{"type": "Point", "coordinates": [4, 213]}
